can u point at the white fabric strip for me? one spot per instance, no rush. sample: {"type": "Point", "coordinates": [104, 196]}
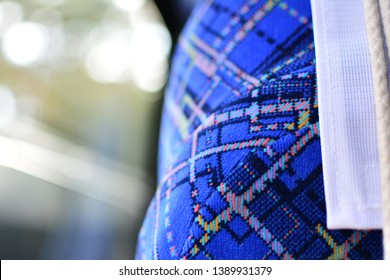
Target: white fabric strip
{"type": "Point", "coordinates": [347, 115]}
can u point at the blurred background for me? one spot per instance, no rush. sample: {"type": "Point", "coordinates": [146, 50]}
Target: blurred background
{"type": "Point", "coordinates": [81, 88]}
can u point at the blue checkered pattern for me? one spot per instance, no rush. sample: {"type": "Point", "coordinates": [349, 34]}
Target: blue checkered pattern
{"type": "Point", "coordinates": [240, 173]}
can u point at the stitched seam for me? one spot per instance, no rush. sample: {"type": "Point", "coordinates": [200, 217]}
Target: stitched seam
{"type": "Point", "coordinates": [330, 106]}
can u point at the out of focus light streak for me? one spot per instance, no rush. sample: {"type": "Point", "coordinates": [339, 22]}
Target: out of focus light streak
{"type": "Point", "coordinates": [81, 176]}
{"type": "Point", "coordinates": [7, 105]}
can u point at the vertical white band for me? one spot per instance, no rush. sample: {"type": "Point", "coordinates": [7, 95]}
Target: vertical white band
{"type": "Point", "coordinates": [347, 115]}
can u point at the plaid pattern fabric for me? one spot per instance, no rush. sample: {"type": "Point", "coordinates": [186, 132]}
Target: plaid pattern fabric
{"type": "Point", "coordinates": [240, 162]}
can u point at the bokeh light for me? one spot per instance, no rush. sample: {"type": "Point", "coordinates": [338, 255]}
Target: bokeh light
{"type": "Point", "coordinates": [149, 49]}
{"type": "Point", "coordinates": [21, 35]}
{"type": "Point", "coordinates": [108, 61]}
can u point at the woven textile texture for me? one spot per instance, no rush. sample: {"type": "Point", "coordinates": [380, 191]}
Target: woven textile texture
{"type": "Point", "coordinates": [240, 173]}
